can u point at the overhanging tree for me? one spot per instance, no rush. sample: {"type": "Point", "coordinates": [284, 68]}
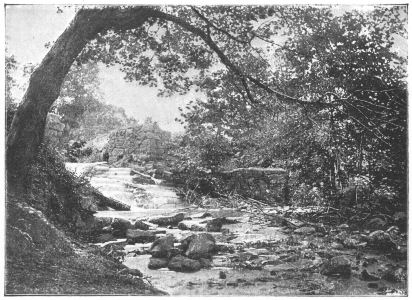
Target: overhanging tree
{"type": "Point", "coordinates": [173, 48]}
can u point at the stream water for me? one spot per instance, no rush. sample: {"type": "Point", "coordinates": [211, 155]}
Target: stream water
{"type": "Point", "coordinates": [263, 259]}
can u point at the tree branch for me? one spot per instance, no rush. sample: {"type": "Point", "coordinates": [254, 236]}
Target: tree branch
{"type": "Point", "coordinates": [230, 65]}
{"type": "Point", "coordinates": [208, 22]}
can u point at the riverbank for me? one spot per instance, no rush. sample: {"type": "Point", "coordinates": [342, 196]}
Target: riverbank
{"type": "Point", "coordinates": [258, 249]}
{"type": "Point", "coordinates": [42, 259]}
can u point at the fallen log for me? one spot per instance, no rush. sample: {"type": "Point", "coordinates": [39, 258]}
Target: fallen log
{"type": "Point", "coordinates": [256, 170]}
{"type": "Point", "coordinates": [109, 202]}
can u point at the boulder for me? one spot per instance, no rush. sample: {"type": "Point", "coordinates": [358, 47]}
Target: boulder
{"type": "Point", "coordinates": [200, 245]}
{"type": "Point", "coordinates": [338, 265]}
{"type": "Point", "coordinates": [140, 236]}
{"type": "Point", "coordinates": [162, 247]}
{"type": "Point", "coordinates": [381, 240]}
{"type": "Point", "coordinates": [120, 226]}
{"type": "Point", "coordinates": [181, 263]}
{"type": "Point", "coordinates": [205, 263]}
{"type": "Point", "coordinates": [376, 224]}
{"type": "Point", "coordinates": [166, 221]}
{"type": "Point", "coordinates": [157, 263]}
{"type": "Point", "coordinates": [141, 225]}
{"type": "Point", "coordinates": [305, 230]}
{"type": "Point", "coordinates": [210, 225]}
{"type": "Point", "coordinates": [395, 275]}
{"type": "Point", "coordinates": [215, 225]}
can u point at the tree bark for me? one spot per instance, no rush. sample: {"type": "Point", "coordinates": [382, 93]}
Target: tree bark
{"type": "Point", "coordinates": [27, 129]}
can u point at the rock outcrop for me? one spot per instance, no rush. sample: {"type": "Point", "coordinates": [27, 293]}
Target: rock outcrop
{"type": "Point", "coordinates": [145, 142]}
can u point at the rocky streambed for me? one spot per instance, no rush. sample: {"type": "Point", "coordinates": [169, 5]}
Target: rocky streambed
{"type": "Point", "coordinates": [251, 250]}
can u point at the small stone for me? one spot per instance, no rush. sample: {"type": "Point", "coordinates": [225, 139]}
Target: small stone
{"type": "Point", "coordinates": [397, 275]}
{"type": "Point", "coordinates": [336, 245]}
{"type": "Point", "coordinates": [350, 243]}
{"type": "Point", "coordinates": [135, 272]}
{"type": "Point", "coordinates": [343, 226]}
{"type": "Point", "coordinates": [265, 279]}
{"type": "Point", "coordinates": [225, 247]}
{"type": "Point", "coordinates": [338, 265]}
{"type": "Point", "coordinates": [262, 251]}
{"type": "Point", "coordinates": [365, 276]}
{"type": "Point", "coordinates": [140, 236]}
{"type": "Point", "coordinates": [373, 285]}
{"type": "Point", "coordinates": [341, 236]}
{"type": "Point", "coordinates": [234, 284]}
{"type": "Point", "coordinates": [280, 268]}
{"type": "Point", "coordinates": [157, 263]}
{"type": "Point", "coordinates": [191, 225]}
{"type": "Point", "coordinates": [181, 263]}
{"type": "Point", "coordinates": [166, 221]}
{"type": "Point", "coordinates": [183, 225]}
{"type": "Point", "coordinates": [222, 275]}
{"type": "Point", "coordinates": [107, 229]}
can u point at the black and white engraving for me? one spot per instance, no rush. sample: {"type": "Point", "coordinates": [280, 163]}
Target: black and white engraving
{"type": "Point", "coordinates": [206, 150]}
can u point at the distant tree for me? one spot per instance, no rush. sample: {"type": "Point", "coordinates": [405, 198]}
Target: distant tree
{"type": "Point", "coordinates": [11, 106]}
{"type": "Point", "coordinates": [79, 93]}
{"type": "Point", "coordinates": [81, 106]}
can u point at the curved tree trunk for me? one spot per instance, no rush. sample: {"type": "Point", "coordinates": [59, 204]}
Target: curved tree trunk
{"type": "Point", "coordinates": [27, 129]}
